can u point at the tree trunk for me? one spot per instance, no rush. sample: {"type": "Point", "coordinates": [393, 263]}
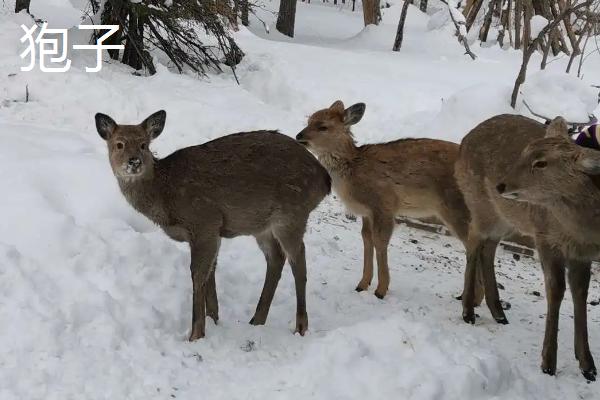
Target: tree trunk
{"type": "Point", "coordinates": [569, 27]}
{"type": "Point", "coordinates": [473, 11]}
{"type": "Point", "coordinates": [488, 19]}
{"type": "Point", "coordinates": [423, 6]}
{"type": "Point", "coordinates": [371, 12]}
{"type": "Point", "coordinates": [113, 14]}
{"type": "Point", "coordinates": [132, 55]}
{"type": "Point", "coordinates": [286, 17]}
{"type": "Point", "coordinates": [518, 13]}
{"type": "Point", "coordinates": [21, 5]}
{"type": "Point", "coordinates": [468, 7]}
{"type": "Point", "coordinates": [400, 30]}
{"type": "Point", "coordinates": [244, 9]}
{"type": "Point", "coordinates": [528, 13]}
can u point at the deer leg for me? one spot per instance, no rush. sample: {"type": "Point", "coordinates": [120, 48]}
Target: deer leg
{"type": "Point", "coordinates": [293, 246]}
{"type": "Point", "coordinates": [275, 261]}
{"type": "Point", "coordinates": [456, 216]}
{"type": "Point", "coordinates": [367, 236]}
{"type": "Point", "coordinates": [204, 252]}
{"type": "Point", "coordinates": [474, 250]}
{"type": "Point", "coordinates": [579, 281]}
{"type": "Point", "coordinates": [554, 281]}
{"type": "Point", "coordinates": [383, 227]}
{"type": "Point", "coordinates": [492, 297]}
{"type": "Point", "coordinates": [212, 303]}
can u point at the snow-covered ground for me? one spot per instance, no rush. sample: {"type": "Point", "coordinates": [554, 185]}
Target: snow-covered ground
{"type": "Point", "coordinates": [95, 301]}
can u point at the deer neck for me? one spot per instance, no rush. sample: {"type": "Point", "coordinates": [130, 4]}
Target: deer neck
{"type": "Point", "coordinates": [339, 162]}
{"type": "Point", "coordinates": [145, 194]}
{"type": "Point", "coordinates": [580, 214]}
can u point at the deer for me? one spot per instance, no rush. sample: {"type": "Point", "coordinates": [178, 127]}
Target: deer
{"type": "Point", "coordinates": [518, 175]}
{"type": "Point", "coordinates": [259, 183]}
{"type": "Point", "coordinates": [406, 177]}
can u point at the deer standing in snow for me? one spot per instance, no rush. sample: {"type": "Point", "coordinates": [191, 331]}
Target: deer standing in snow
{"type": "Point", "coordinates": [258, 183]}
{"type": "Point", "coordinates": [518, 175]}
{"type": "Point", "coordinates": [407, 177]}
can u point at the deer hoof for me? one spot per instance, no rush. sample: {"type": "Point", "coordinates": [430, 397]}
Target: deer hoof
{"type": "Point", "coordinates": [301, 324]}
{"type": "Point", "coordinates": [469, 318]}
{"type": "Point", "coordinates": [359, 289]}
{"type": "Point", "coordinates": [379, 295]}
{"type": "Point", "coordinates": [502, 320]}
{"type": "Point", "coordinates": [590, 374]}
{"type": "Point", "coordinates": [196, 334]}
{"type": "Point", "coordinates": [549, 371]}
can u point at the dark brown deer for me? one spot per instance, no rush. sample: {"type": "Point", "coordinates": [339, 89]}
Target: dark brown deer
{"type": "Point", "coordinates": [408, 177]}
{"type": "Point", "coordinates": [518, 175]}
{"type": "Point", "coordinates": [258, 183]}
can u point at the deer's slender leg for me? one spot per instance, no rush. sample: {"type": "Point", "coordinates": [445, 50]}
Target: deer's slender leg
{"type": "Point", "coordinates": [383, 227]}
{"type": "Point", "coordinates": [554, 280]}
{"type": "Point", "coordinates": [474, 255]}
{"type": "Point", "coordinates": [367, 236]}
{"type": "Point", "coordinates": [579, 282]}
{"type": "Point", "coordinates": [204, 252]}
{"type": "Point", "coordinates": [291, 240]}
{"type": "Point", "coordinates": [492, 297]}
{"type": "Point", "coordinates": [275, 261]}
{"type": "Point", "coordinates": [212, 302]}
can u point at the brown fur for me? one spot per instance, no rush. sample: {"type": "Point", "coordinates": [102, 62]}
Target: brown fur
{"type": "Point", "coordinates": [519, 175]}
{"type": "Point", "coordinates": [253, 183]}
{"type": "Point", "coordinates": [408, 177]}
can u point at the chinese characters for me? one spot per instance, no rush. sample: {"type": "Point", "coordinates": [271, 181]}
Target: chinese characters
{"type": "Point", "coordinates": [50, 47]}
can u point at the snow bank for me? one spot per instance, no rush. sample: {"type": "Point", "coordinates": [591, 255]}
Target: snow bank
{"type": "Point", "coordinates": [552, 94]}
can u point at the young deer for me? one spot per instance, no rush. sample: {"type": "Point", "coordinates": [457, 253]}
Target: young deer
{"type": "Point", "coordinates": [409, 177]}
{"type": "Point", "coordinates": [519, 175]}
{"type": "Point", "coordinates": [251, 183]}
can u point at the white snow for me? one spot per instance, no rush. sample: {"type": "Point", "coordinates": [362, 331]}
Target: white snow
{"type": "Point", "coordinates": [95, 301]}
{"type": "Point", "coordinates": [537, 24]}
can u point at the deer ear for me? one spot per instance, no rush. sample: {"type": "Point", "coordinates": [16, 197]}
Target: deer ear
{"type": "Point", "coordinates": [338, 106]}
{"type": "Point", "coordinates": [155, 123]}
{"type": "Point", "coordinates": [105, 125]}
{"type": "Point", "coordinates": [588, 161]}
{"type": "Point", "coordinates": [354, 113]}
{"type": "Point", "coordinates": [558, 128]}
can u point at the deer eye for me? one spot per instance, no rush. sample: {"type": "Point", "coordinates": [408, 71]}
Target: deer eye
{"type": "Point", "coordinates": [322, 128]}
{"type": "Point", "coordinates": [143, 146]}
{"type": "Point", "coordinates": [120, 145]}
{"type": "Point", "coordinates": [540, 164]}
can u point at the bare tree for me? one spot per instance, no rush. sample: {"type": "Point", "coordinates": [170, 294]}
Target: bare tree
{"type": "Point", "coordinates": [531, 47]}
{"type": "Point", "coordinates": [286, 17]}
{"type": "Point", "coordinates": [460, 24]}
{"type": "Point", "coordinates": [173, 29]}
{"type": "Point", "coordinates": [371, 12]}
{"type": "Point", "coordinates": [400, 30]}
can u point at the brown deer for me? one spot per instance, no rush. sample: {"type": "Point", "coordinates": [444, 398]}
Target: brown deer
{"type": "Point", "coordinates": [258, 183]}
{"type": "Point", "coordinates": [408, 177]}
{"type": "Point", "coordinates": [518, 175]}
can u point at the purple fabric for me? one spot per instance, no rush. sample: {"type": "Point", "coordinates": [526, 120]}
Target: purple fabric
{"type": "Point", "coordinates": [589, 137]}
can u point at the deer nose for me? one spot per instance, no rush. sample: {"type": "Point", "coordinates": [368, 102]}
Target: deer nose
{"type": "Point", "coordinates": [501, 188]}
{"type": "Point", "coordinates": [134, 162]}
{"type": "Point", "coordinates": [300, 136]}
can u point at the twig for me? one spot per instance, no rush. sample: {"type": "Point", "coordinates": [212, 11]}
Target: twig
{"type": "Point", "coordinates": [461, 39]}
